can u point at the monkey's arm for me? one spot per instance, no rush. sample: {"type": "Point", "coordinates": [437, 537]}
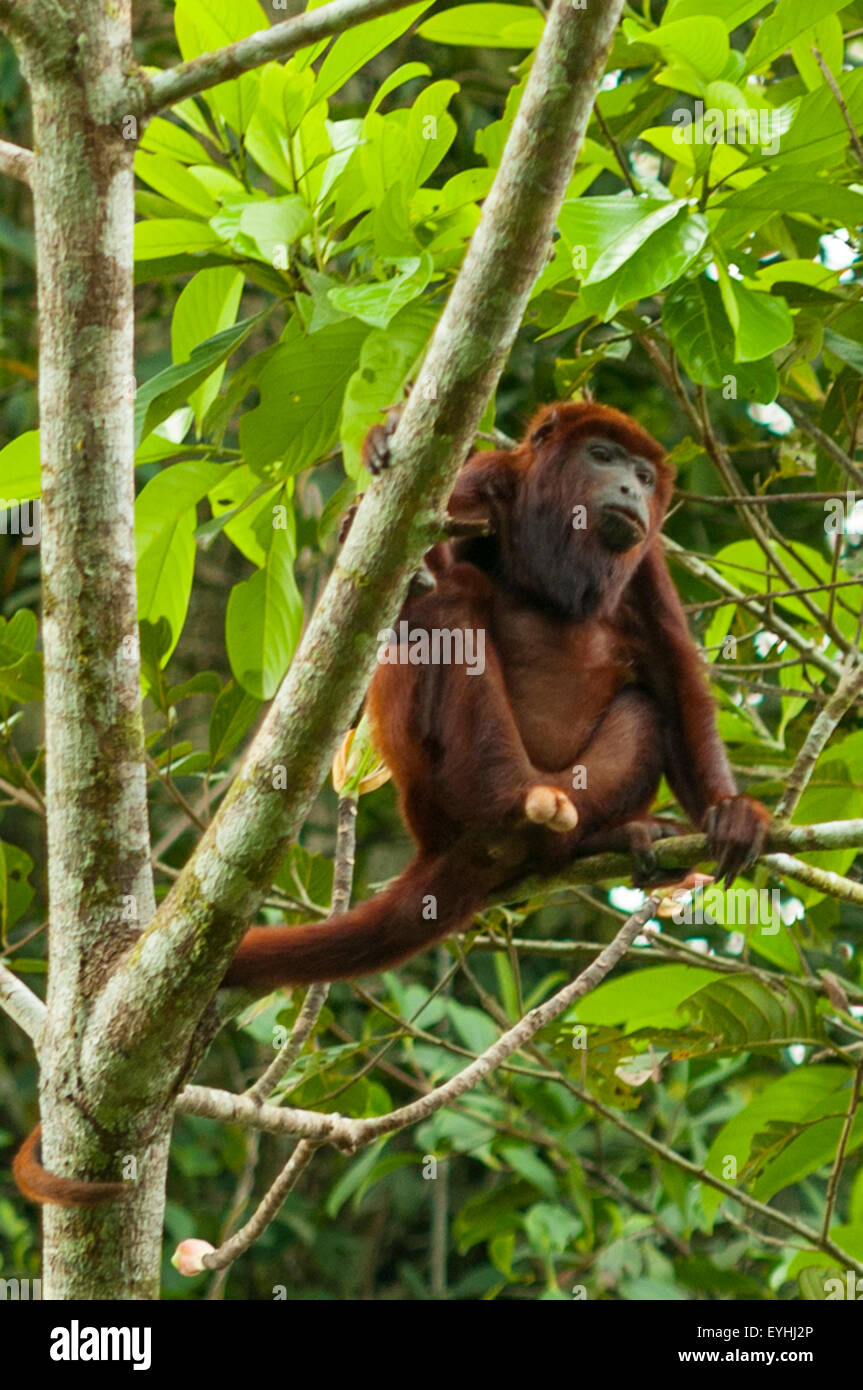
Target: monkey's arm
{"type": "Point", "coordinates": [696, 763]}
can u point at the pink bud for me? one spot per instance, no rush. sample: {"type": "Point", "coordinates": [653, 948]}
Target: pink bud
{"type": "Point", "coordinates": [189, 1255]}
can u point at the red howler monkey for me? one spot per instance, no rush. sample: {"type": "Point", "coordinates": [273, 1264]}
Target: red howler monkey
{"type": "Point", "coordinates": [592, 689]}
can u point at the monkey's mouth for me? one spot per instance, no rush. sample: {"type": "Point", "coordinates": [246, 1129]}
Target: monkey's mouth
{"type": "Point", "coordinates": [621, 528]}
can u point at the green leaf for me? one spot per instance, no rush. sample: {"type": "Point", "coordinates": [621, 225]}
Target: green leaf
{"type": "Point", "coordinates": [173, 236]}
{"type": "Point", "coordinates": [16, 894]}
{"type": "Point", "coordinates": [174, 181]}
{"type": "Point", "coordinates": [788, 19]}
{"type": "Point", "coordinates": [696, 322]}
{"type": "Point", "coordinates": [652, 266]}
{"type": "Point", "coordinates": [731, 12]}
{"type": "Point", "coordinates": [206, 306]}
{"type": "Point", "coordinates": [791, 1097]}
{"type": "Point", "coordinates": [202, 26]}
{"type": "Point", "coordinates": [762, 322]}
{"type": "Point", "coordinates": [353, 49]}
{"type": "Point", "coordinates": [23, 680]}
{"type": "Point", "coordinates": [20, 479]}
{"type": "Point", "coordinates": [740, 1011]}
{"type": "Point", "coordinates": [165, 542]}
{"type": "Point", "coordinates": [485, 26]}
{"type": "Point", "coordinates": [644, 998]}
{"type": "Point", "coordinates": [233, 715]}
{"type": "Point", "coordinates": [275, 225]}
{"type": "Point", "coordinates": [702, 42]}
{"type": "Point", "coordinates": [301, 391]}
{"type": "Point", "coordinates": [379, 304]}
{"type": "Point", "coordinates": [163, 393]}
{"type": "Point", "coordinates": [264, 620]}
{"type": "Point", "coordinates": [526, 1162]}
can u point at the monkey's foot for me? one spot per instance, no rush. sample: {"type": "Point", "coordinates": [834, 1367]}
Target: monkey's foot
{"type": "Point", "coordinates": [550, 807]}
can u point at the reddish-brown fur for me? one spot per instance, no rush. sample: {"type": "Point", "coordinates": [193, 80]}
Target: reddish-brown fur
{"type": "Point", "coordinates": [589, 665]}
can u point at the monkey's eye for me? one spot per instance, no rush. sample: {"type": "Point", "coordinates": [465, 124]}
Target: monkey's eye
{"type": "Point", "coordinates": [646, 478]}
{"type": "Point", "coordinates": [600, 452]}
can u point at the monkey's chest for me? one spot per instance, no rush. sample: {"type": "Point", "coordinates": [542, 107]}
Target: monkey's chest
{"type": "Point", "coordinates": [561, 680]}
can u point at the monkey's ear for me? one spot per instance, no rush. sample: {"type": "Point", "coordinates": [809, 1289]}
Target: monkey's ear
{"type": "Point", "coordinates": [544, 428]}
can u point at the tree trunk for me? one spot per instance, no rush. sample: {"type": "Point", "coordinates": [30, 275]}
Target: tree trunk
{"type": "Point", "coordinates": [99, 877]}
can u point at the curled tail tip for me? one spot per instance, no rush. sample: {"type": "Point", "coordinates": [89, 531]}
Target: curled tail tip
{"type": "Point", "coordinates": [48, 1189]}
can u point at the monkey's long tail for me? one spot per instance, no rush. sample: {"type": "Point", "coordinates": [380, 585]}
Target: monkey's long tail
{"type": "Point", "coordinates": [431, 899]}
{"type": "Point", "coordinates": [36, 1183]}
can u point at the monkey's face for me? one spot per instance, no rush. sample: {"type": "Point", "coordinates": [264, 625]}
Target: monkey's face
{"type": "Point", "coordinates": [618, 489]}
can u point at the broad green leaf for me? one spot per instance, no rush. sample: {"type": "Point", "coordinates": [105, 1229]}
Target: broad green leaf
{"type": "Point", "coordinates": [17, 893]}
{"type": "Point", "coordinates": [387, 359]}
{"type": "Point", "coordinates": [283, 100]}
{"type": "Point", "coordinates": [167, 138]}
{"type": "Point", "coordinates": [656, 263]}
{"type": "Point", "coordinates": [791, 1097]}
{"type": "Point", "coordinates": [173, 236]}
{"type": "Point", "coordinates": [164, 392]}
{"type": "Point", "coordinates": [485, 26]}
{"type": "Point", "coordinates": [23, 681]}
{"type": "Point", "coordinates": [731, 12]}
{"type": "Point", "coordinates": [701, 42]}
{"type": "Point", "coordinates": [828, 39]}
{"type": "Point", "coordinates": [762, 322]}
{"type": "Point", "coordinates": [202, 26]}
{"type": "Point", "coordinates": [741, 1011]}
{"type": "Point", "coordinates": [378, 304]}
{"type": "Point", "coordinates": [20, 479]}
{"type": "Point", "coordinates": [165, 542]}
{"type": "Point", "coordinates": [747, 208]}
{"type": "Point", "coordinates": [787, 19]}
{"type": "Point", "coordinates": [696, 322]}
{"type": "Point", "coordinates": [233, 715]}
{"type": "Point", "coordinates": [264, 619]}
{"type": "Point", "coordinates": [174, 181]}
{"type": "Point", "coordinates": [593, 228]}
{"type": "Point", "coordinates": [814, 1148]}
{"type": "Point", "coordinates": [644, 998]}
{"type": "Point", "coordinates": [301, 391]}
{"type": "Point", "coordinates": [206, 306]}
{"type": "Point", "coordinates": [353, 49]}
{"type": "Point", "coordinates": [406, 73]}
{"type": "Point", "coordinates": [275, 225]}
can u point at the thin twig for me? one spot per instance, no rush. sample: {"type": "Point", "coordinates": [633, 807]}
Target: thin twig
{"type": "Point", "coordinates": [836, 1173]}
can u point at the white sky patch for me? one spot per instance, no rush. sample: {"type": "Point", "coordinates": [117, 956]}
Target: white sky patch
{"type": "Point", "coordinates": [854, 524]}
{"type": "Point", "coordinates": [764, 642]}
{"type": "Point", "coordinates": [626, 899]}
{"type": "Point", "coordinates": [792, 911]}
{"type": "Point", "coordinates": [836, 254]}
{"type": "Point", "coordinates": [797, 1053]}
{"type": "Point", "coordinates": [611, 80]}
{"type": "Point", "coordinates": [699, 944]}
{"type": "Point", "coordinates": [772, 416]}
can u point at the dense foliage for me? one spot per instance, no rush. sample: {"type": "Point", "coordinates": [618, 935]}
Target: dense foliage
{"type": "Point", "coordinates": [299, 230]}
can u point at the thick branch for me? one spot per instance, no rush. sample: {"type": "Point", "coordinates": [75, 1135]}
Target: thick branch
{"type": "Point", "coordinates": [187, 79]}
{"type": "Point", "coordinates": [16, 161]}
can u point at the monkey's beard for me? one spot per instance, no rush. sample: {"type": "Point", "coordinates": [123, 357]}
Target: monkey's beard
{"type": "Point", "coordinates": [569, 572]}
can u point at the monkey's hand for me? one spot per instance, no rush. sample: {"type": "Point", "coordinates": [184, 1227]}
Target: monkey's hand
{"type": "Point", "coordinates": [376, 445]}
{"type": "Point", "coordinates": [736, 829]}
